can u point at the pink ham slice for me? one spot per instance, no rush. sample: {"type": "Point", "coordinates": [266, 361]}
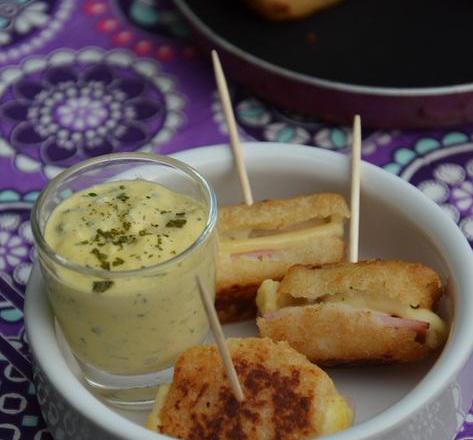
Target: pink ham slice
{"type": "Point", "coordinates": [279, 313]}
{"type": "Point", "coordinates": [256, 255]}
{"type": "Point", "coordinates": [394, 321]}
{"type": "Point", "coordinates": [380, 318]}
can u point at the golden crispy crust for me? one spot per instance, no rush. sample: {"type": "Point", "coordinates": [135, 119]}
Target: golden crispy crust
{"type": "Point", "coordinates": [408, 283]}
{"type": "Point", "coordinates": [321, 332]}
{"type": "Point", "coordinates": [238, 277]}
{"type": "Point", "coordinates": [277, 10]}
{"type": "Point", "coordinates": [279, 214]}
{"type": "Point", "coordinates": [285, 394]}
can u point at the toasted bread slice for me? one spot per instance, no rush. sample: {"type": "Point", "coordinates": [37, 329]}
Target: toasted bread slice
{"type": "Point", "coordinates": [282, 213]}
{"type": "Point", "coordinates": [279, 10]}
{"type": "Point", "coordinates": [285, 396]}
{"type": "Point", "coordinates": [409, 283]}
{"type": "Point", "coordinates": [263, 240]}
{"type": "Point", "coordinates": [375, 311]}
{"type": "Point", "coordinates": [336, 334]}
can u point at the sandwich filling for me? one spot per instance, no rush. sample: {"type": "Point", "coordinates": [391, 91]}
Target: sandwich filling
{"type": "Point", "coordinates": [266, 242]}
{"type": "Point", "coordinates": [392, 313]}
{"type": "Point", "coordinates": [154, 418]}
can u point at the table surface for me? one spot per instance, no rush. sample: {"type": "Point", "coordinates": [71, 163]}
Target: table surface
{"type": "Point", "coordinates": [79, 78]}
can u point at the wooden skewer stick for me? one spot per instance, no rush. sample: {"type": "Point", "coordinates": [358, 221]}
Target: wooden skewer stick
{"type": "Point", "coordinates": [232, 128]}
{"type": "Point", "coordinates": [220, 339]}
{"type": "Point", "coordinates": [355, 190]}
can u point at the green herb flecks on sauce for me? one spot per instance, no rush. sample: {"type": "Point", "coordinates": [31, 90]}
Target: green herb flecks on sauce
{"type": "Point", "coordinates": [124, 225]}
{"type": "Point", "coordinates": [101, 286]}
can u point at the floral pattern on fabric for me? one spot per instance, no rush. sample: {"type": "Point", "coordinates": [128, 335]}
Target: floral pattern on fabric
{"type": "Point", "coordinates": [20, 413]}
{"type": "Point", "coordinates": [113, 19]}
{"type": "Point", "coordinates": [266, 122]}
{"type": "Point", "coordinates": [16, 239]}
{"type": "Point", "coordinates": [443, 171]}
{"type": "Point", "coordinates": [20, 17]}
{"type": "Point", "coordinates": [92, 103]}
{"type": "Point", "coordinates": [466, 431]}
{"type": "Point", "coordinates": [26, 25]}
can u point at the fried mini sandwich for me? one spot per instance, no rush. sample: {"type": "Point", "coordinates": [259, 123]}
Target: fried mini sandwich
{"type": "Point", "coordinates": [280, 10]}
{"type": "Point", "coordinates": [368, 312]}
{"type": "Point", "coordinates": [263, 240]}
{"type": "Point", "coordinates": [286, 397]}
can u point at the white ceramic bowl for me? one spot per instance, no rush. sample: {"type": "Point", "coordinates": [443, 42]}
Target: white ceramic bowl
{"type": "Point", "coordinates": [420, 401]}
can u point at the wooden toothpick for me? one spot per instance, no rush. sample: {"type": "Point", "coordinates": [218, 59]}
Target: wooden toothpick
{"type": "Point", "coordinates": [355, 190]}
{"type": "Point", "coordinates": [220, 340]}
{"type": "Point", "coordinates": [232, 128]}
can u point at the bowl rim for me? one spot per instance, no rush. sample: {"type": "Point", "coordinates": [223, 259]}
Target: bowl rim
{"type": "Point", "coordinates": [443, 233]}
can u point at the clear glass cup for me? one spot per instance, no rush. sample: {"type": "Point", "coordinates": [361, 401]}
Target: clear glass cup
{"type": "Point", "coordinates": [127, 339]}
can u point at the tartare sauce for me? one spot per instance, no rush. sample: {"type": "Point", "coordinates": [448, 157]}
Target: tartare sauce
{"type": "Point", "coordinates": [137, 322]}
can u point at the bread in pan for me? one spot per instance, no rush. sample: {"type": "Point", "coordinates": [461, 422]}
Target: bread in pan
{"type": "Point", "coordinates": [280, 10]}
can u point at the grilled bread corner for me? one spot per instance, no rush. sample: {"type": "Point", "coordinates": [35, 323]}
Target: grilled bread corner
{"type": "Point", "coordinates": [285, 396]}
{"type": "Point", "coordinates": [351, 313]}
{"type": "Point", "coordinates": [263, 240]}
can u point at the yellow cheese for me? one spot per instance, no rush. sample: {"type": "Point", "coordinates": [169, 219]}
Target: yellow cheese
{"type": "Point", "coordinates": [269, 300]}
{"type": "Point", "coordinates": [437, 327]}
{"type": "Point", "coordinates": [283, 240]}
{"type": "Point", "coordinates": [154, 421]}
{"type": "Point", "coordinates": [338, 416]}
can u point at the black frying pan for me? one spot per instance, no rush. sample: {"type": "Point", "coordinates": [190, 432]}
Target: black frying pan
{"type": "Point", "coordinates": [399, 63]}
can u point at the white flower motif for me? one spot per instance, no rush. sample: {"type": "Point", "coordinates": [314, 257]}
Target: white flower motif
{"type": "Point", "coordinates": [253, 113]}
{"type": "Point", "coordinates": [9, 222]}
{"type": "Point", "coordinates": [450, 173]}
{"type": "Point", "coordinates": [463, 195]}
{"type": "Point", "coordinates": [282, 132]}
{"type": "Point", "coordinates": [142, 108]}
{"type": "Point", "coordinates": [452, 189]}
{"type": "Point", "coordinates": [22, 272]}
{"type": "Point", "coordinates": [79, 113]}
{"type": "Point", "coordinates": [15, 246]}
{"type": "Point", "coordinates": [21, 17]}
{"type": "Point", "coordinates": [333, 138]}
{"type": "Point", "coordinates": [31, 16]}
{"type": "Point", "coordinates": [11, 250]}
{"type": "Point", "coordinates": [437, 191]}
{"type": "Point", "coordinates": [25, 232]}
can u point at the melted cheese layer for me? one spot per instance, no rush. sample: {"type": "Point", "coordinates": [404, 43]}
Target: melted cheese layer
{"type": "Point", "coordinates": [154, 418]}
{"type": "Point", "coordinates": [282, 240]}
{"type": "Point", "coordinates": [390, 307]}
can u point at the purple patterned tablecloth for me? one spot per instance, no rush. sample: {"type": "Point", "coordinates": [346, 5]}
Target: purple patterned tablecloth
{"type": "Point", "coordinates": [79, 78]}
